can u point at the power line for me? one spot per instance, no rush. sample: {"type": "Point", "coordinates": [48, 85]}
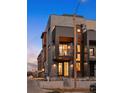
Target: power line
{"type": "Point", "coordinates": [77, 7]}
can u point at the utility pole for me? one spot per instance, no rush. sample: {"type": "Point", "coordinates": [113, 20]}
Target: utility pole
{"type": "Point", "coordinates": [75, 42]}
{"type": "Point", "coordinates": [75, 46]}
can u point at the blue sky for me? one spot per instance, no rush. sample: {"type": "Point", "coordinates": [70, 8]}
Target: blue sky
{"type": "Point", "coordinates": [38, 12]}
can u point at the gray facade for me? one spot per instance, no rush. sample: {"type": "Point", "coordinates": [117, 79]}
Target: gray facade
{"type": "Point", "coordinates": [59, 33]}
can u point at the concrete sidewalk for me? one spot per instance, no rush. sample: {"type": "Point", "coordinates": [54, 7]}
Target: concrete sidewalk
{"type": "Point", "coordinates": [70, 90]}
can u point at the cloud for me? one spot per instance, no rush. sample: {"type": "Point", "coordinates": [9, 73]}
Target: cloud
{"type": "Point", "coordinates": [83, 0]}
{"type": "Point", "coordinates": [31, 66]}
{"type": "Point", "coordinates": [32, 54]}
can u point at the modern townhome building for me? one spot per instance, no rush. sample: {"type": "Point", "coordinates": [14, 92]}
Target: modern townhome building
{"type": "Point", "coordinates": [58, 47]}
{"type": "Point", "coordinates": [42, 57]}
{"type": "Point", "coordinates": [40, 64]}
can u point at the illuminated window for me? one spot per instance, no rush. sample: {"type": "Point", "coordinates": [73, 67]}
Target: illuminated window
{"type": "Point", "coordinates": [64, 49]}
{"type": "Point", "coordinates": [78, 57]}
{"type": "Point", "coordinates": [60, 68]}
{"type": "Point", "coordinates": [78, 66]}
{"type": "Point", "coordinates": [60, 50]}
{"type": "Point", "coordinates": [69, 47]}
{"type": "Point", "coordinates": [78, 48]}
{"type": "Point", "coordinates": [66, 72]}
{"type": "Point", "coordinates": [92, 52]}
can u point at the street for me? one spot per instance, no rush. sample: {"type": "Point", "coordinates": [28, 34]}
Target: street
{"type": "Point", "coordinates": [33, 87]}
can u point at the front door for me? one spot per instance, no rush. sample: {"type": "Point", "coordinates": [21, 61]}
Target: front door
{"type": "Point", "coordinates": [66, 69]}
{"type": "Point", "coordinates": [63, 69]}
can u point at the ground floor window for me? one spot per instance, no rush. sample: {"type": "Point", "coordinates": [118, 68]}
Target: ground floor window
{"type": "Point", "coordinates": [78, 66]}
{"type": "Point", "coordinates": [92, 52]}
{"type": "Point", "coordinates": [92, 69]}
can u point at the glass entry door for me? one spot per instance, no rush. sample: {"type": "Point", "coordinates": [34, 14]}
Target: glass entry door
{"type": "Point", "coordinates": [66, 69]}
{"type": "Point", "coordinates": [63, 69]}
{"type": "Point", "coordinates": [60, 66]}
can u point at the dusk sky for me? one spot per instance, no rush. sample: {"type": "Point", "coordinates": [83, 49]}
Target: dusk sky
{"type": "Point", "coordinates": [38, 12]}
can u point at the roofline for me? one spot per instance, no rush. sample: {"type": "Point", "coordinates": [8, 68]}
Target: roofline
{"type": "Point", "coordinates": [43, 34]}
{"type": "Point", "coordinates": [68, 15]}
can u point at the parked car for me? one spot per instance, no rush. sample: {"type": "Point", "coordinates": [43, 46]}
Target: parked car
{"type": "Point", "coordinates": [93, 88]}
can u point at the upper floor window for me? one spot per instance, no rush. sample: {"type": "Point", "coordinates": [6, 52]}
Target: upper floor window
{"type": "Point", "coordinates": [78, 48]}
{"type": "Point", "coordinates": [78, 57]}
{"type": "Point", "coordinates": [78, 66]}
{"type": "Point", "coordinates": [64, 49]}
{"type": "Point", "coordinates": [92, 52]}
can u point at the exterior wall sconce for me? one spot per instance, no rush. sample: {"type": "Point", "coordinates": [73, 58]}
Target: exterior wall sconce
{"type": "Point", "coordinates": [71, 65]}
{"type": "Point", "coordinates": [85, 63]}
{"type": "Point", "coordinates": [42, 69]}
{"type": "Point", "coordinates": [79, 30]}
{"type": "Point", "coordinates": [54, 65]}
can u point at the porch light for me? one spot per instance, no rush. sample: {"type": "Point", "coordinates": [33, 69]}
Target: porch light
{"type": "Point", "coordinates": [54, 65]}
{"type": "Point", "coordinates": [42, 69]}
{"type": "Point", "coordinates": [71, 65]}
{"type": "Point", "coordinates": [78, 30]}
{"type": "Point", "coordinates": [85, 63]}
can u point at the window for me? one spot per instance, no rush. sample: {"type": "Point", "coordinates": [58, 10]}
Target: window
{"type": "Point", "coordinates": [69, 47]}
{"type": "Point", "coordinates": [60, 50]}
{"type": "Point", "coordinates": [60, 68]}
{"type": "Point", "coordinates": [64, 49]}
{"type": "Point", "coordinates": [78, 48]}
{"type": "Point", "coordinates": [66, 72]}
{"type": "Point", "coordinates": [92, 52]}
{"type": "Point", "coordinates": [78, 66]}
{"type": "Point", "coordinates": [78, 57]}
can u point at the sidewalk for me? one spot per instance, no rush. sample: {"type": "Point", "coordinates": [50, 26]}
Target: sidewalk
{"type": "Point", "coordinates": [69, 90]}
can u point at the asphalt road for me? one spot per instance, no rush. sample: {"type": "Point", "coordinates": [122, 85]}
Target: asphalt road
{"type": "Point", "coordinates": [33, 87]}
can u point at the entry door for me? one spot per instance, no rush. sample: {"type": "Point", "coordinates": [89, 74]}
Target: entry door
{"type": "Point", "coordinates": [66, 69]}
{"type": "Point", "coordinates": [60, 66]}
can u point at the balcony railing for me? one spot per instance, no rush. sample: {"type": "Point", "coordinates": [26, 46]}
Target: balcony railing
{"type": "Point", "coordinates": [68, 52]}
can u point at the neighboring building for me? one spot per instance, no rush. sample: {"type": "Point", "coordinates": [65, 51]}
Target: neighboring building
{"type": "Point", "coordinates": [58, 43]}
{"type": "Point", "coordinates": [42, 58]}
{"type": "Point", "coordinates": [40, 65]}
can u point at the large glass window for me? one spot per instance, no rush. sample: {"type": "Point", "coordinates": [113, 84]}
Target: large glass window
{"type": "Point", "coordinates": [92, 52]}
{"type": "Point", "coordinates": [60, 50]}
{"type": "Point", "coordinates": [64, 49]}
{"type": "Point", "coordinates": [78, 48]}
{"type": "Point", "coordinates": [78, 66]}
{"type": "Point", "coordinates": [78, 57]}
{"type": "Point", "coordinates": [66, 68]}
{"type": "Point", "coordinates": [60, 68]}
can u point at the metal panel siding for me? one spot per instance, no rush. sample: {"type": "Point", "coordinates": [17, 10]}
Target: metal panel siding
{"type": "Point", "coordinates": [65, 20]}
{"type": "Point", "coordinates": [91, 24]}
{"type": "Point", "coordinates": [64, 31]}
{"type": "Point", "coordinates": [91, 35]}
